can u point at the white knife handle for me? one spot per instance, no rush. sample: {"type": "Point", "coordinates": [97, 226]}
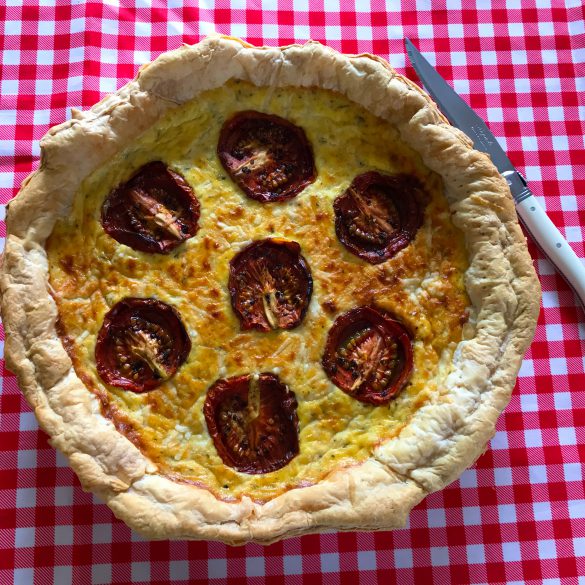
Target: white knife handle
{"type": "Point", "coordinates": [553, 244]}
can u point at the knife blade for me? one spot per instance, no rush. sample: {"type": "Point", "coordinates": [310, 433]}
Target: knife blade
{"type": "Point", "coordinates": [537, 223]}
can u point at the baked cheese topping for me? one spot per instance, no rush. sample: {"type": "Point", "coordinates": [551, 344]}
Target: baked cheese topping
{"type": "Point", "coordinates": [422, 286]}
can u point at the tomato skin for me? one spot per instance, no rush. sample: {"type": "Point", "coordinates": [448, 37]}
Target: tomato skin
{"type": "Point", "coordinates": [363, 325]}
{"type": "Point", "coordinates": [367, 234]}
{"type": "Point", "coordinates": [265, 268]}
{"type": "Point", "coordinates": [113, 340]}
{"type": "Point", "coordinates": [259, 442]}
{"type": "Point", "coordinates": [153, 188]}
{"type": "Point", "coordinates": [268, 157]}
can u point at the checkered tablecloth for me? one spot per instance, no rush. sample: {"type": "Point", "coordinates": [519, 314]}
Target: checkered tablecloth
{"type": "Point", "coordinates": [518, 516]}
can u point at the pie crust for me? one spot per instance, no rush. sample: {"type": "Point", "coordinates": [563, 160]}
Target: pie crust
{"type": "Point", "coordinates": [443, 437]}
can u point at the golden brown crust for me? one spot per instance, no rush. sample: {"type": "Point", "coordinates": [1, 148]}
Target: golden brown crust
{"type": "Point", "coordinates": [443, 437]}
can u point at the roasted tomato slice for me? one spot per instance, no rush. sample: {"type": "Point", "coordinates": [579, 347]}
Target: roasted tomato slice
{"type": "Point", "coordinates": [368, 355]}
{"type": "Point", "coordinates": [378, 215]}
{"type": "Point", "coordinates": [253, 422]}
{"type": "Point", "coordinates": [141, 344]}
{"type": "Point", "coordinates": [267, 156]}
{"type": "Point", "coordinates": [154, 211]}
{"type": "Point", "coordinates": [270, 285]}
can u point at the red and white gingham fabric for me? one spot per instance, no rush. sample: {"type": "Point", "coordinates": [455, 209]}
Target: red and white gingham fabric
{"type": "Point", "coordinates": [518, 516]}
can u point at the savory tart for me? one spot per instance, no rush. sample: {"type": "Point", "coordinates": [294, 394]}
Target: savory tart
{"type": "Point", "coordinates": [261, 292]}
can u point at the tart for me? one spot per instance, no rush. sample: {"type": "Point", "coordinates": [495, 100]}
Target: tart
{"type": "Point", "coordinates": [262, 292]}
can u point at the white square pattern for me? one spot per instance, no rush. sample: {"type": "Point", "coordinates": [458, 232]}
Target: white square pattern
{"type": "Point", "coordinates": [367, 560]}
{"type": "Point", "coordinates": [573, 471]}
{"type": "Point", "coordinates": [439, 556]}
{"type": "Point", "coordinates": [46, 27]}
{"type": "Point", "coordinates": [24, 537]}
{"type": "Point", "coordinates": [499, 441]}
{"type": "Point", "coordinates": [475, 554]}
{"type": "Point", "coordinates": [142, 29]}
{"type": "Point", "coordinates": [511, 551]}
{"type": "Point", "coordinates": [533, 438]}
{"type": "Point", "coordinates": [529, 402]}
{"type": "Point", "coordinates": [567, 436]}
{"type": "Point", "coordinates": [64, 535]}
{"type": "Point", "coordinates": [547, 549]}
{"type": "Point", "coordinates": [503, 476]}
{"type": "Point", "coordinates": [507, 513]}
{"type": "Point", "coordinates": [574, 233]}
{"type": "Point", "coordinates": [472, 516]}
{"type": "Point", "coordinates": [526, 369]}
{"type": "Point", "coordinates": [437, 517]}
{"type": "Point", "coordinates": [217, 568]}
{"type": "Point", "coordinates": [403, 558]}
{"type": "Point", "coordinates": [576, 509]}
{"type": "Point", "coordinates": [537, 474]}
{"type": "Point", "coordinates": [542, 511]}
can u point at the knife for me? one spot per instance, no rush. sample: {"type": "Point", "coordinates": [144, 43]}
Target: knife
{"type": "Point", "coordinates": [535, 220]}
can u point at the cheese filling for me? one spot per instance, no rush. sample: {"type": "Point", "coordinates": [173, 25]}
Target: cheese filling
{"type": "Point", "coordinates": [422, 286]}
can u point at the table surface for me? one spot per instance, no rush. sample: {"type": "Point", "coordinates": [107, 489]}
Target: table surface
{"type": "Point", "coordinates": [517, 516]}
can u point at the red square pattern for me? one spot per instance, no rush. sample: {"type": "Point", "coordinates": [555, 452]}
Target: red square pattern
{"type": "Point", "coordinates": [518, 515]}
